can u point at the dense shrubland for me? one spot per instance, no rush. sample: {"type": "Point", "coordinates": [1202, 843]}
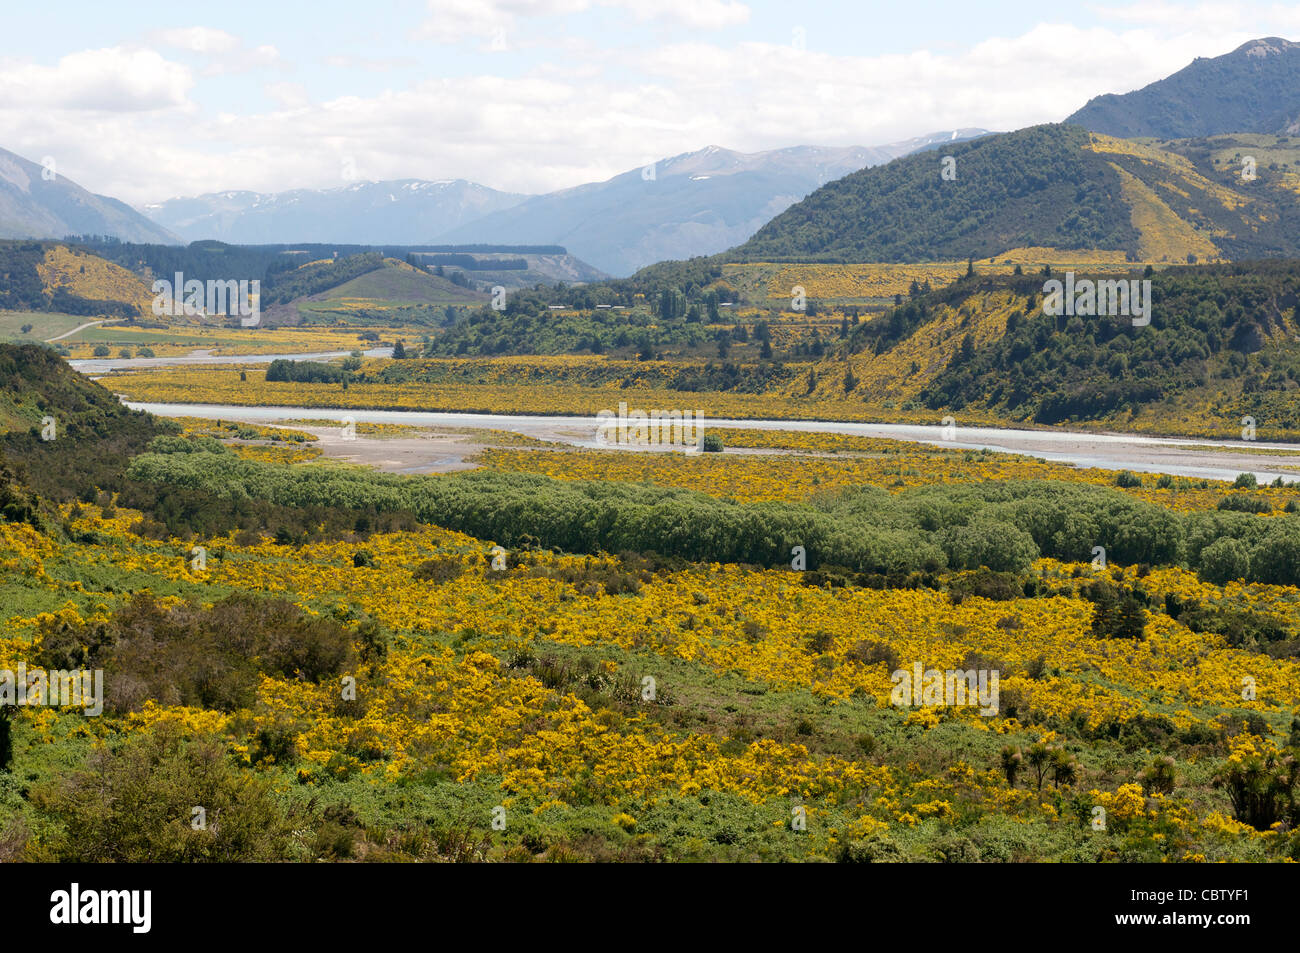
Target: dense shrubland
{"type": "Point", "coordinates": [1002, 525]}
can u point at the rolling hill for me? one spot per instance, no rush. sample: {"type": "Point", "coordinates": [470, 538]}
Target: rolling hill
{"type": "Point", "coordinates": [32, 206]}
{"type": "Point", "coordinates": [53, 277]}
{"type": "Point", "coordinates": [1051, 186]}
{"type": "Point", "coordinates": [366, 288]}
{"type": "Point", "coordinates": [1255, 88]}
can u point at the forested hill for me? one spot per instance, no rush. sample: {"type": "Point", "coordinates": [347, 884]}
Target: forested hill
{"type": "Point", "coordinates": [1050, 186]}
{"type": "Point", "coordinates": [63, 435]}
{"type": "Point", "coordinates": [1223, 344]}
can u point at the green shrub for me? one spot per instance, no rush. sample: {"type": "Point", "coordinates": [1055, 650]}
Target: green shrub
{"type": "Point", "coordinates": [1224, 562]}
{"type": "Point", "coordinates": [872, 652]}
{"type": "Point", "coordinates": [135, 804]}
{"type": "Point", "coordinates": [1159, 776]}
{"type": "Point", "coordinates": [191, 655]}
{"type": "Point", "coordinates": [439, 569]}
{"type": "Point", "coordinates": [1276, 557]}
{"type": "Point", "coordinates": [986, 584]}
{"type": "Point", "coordinates": [989, 544]}
{"type": "Point", "coordinates": [1245, 504]}
{"type": "Point", "coordinates": [168, 443]}
{"type": "Point", "coordinates": [1116, 612]}
{"type": "Point", "coordinates": [1260, 786]}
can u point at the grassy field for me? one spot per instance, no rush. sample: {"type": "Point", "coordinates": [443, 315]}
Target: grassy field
{"type": "Point", "coordinates": [180, 339]}
{"type": "Point", "coordinates": [45, 325]}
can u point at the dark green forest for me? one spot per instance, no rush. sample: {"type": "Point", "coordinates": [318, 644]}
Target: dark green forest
{"type": "Point", "coordinates": [1211, 325]}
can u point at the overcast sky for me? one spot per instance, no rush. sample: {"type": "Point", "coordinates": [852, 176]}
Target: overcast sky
{"type": "Point", "coordinates": [152, 99]}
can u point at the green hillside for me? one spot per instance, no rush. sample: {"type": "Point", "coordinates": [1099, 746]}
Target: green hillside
{"type": "Point", "coordinates": [1052, 186]}
{"type": "Point", "coordinates": [398, 282]}
{"type": "Point", "coordinates": [366, 288]}
{"type": "Point", "coordinates": [92, 431]}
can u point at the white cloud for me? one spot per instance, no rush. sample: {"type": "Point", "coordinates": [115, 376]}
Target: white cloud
{"type": "Point", "coordinates": [114, 80]}
{"type": "Point", "coordinates": [453, 21]}
{"type": "Point", "coordinates": [699, 14]}
{"type": "Point", "coordinates": [221, 52]}
{"type": "Point", "coordinates": [571, 118]}
{"type": "Point", "coordinates": [292, 95]}
{"type": "Point", "coordinates": [376, 64]}
{"type": "Point", "coordinates": [197, 39]}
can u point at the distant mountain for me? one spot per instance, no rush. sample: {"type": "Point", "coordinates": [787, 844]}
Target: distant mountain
{"type": "Point", "coordinates": [398, 212]}
{"type": "Point", "coordinates": [1049, 187]}
{"type": "Point", "coordinates": [1255, 88]}
{"type": "Point", "coordinates": [693, 204]}
{"type": "Point", "coordinates": [32, 206]}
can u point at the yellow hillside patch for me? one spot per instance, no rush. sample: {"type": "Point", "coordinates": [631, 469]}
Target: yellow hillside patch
{"type": "Point", "coordinates": [885, 279]}
{"type": "Point", "coordinates": [868, 280]}
{"type": "Point", "coordinates": [1290, 181]}
{"type": "Point", "coordinates": [90, 276]}
{"type": "Point", "coordinates": [1163, 235]}
{"type": "Point", "coordinates": [862, 280]}
{"type": "Point", "coordinates": [890, 376]}
{"type": "Point", "coordinates": [1045, 255]}
{"type": "Point", "coordinates": [1108, 145]}
{"type": "Point", "coordinates": [1179, 166]}
{"type": "Point", "coordinates": [398, 263]}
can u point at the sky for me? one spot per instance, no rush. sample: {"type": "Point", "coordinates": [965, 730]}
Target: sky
{"type": "Point", "coordinates": [148, 100]}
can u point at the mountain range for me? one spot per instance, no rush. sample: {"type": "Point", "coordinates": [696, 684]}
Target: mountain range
{"type": "Point", "coordinates": [1157, 174]}
{"type": "Point", "coordinates": [692, 204]}
{"type": "Point", "coordinates": [397, 212]}
{"type": "Point", "coordinates": [1255, 88]}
